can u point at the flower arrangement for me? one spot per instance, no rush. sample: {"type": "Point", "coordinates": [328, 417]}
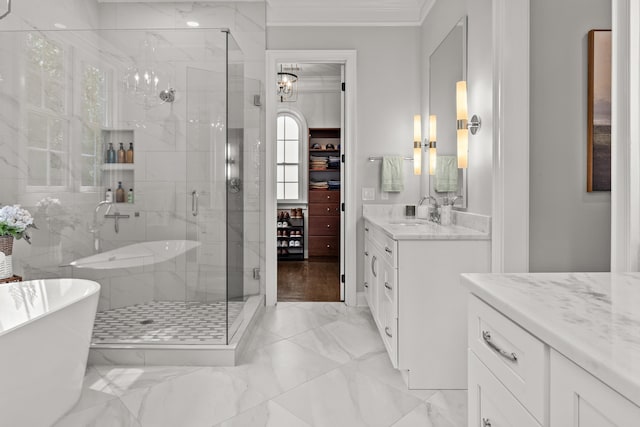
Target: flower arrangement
{"type": "Point", "coordinates": [14, 221]}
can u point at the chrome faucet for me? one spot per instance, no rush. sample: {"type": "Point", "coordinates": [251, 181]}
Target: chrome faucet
{"type": "Point", "coordinates": [95, 228]}
{"type": "Point", "coordinates": [434, 214]}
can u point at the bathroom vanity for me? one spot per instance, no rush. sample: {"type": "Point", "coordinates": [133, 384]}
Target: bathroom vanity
{"type": "Point", "coordinates": [554, 349]}
{"type": "Point", "coordinates": [412, 286]}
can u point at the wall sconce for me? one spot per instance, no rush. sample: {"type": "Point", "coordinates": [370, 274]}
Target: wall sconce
{"type": "Point", "coordinates": [463, 126]}
{"type": "Point", "coordinates": [432, 145]}
{"type": "Point", "coordinates": [417, 145]}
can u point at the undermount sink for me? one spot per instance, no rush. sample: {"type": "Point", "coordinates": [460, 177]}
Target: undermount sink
{"type": "Point", "coordinates": [410, 222]}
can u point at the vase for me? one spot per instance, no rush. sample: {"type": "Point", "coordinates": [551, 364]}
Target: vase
{"type": "Point", "coordinates": [6, 248]}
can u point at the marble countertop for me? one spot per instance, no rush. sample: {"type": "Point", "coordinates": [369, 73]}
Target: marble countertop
{"type": "Point", "coordinates": [419, 229]}
{"type": "Point", "coordinates": [591, 318]}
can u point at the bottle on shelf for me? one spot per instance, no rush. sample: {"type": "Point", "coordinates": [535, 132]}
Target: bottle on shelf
{"type": "Point", "coordinates": [121, 154]}
{"type": "Point", "coordinates": [108, 196]}
{"type": "Point", "coordinates": [130, 196]}
{"type": "Point", "coordinates": [111, 154]}
{"type": "Point", "coordinates": [120, 193]}
{"type": "Point", "coordinates": [129, 154]}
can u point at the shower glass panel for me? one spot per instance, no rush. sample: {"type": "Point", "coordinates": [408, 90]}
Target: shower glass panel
{"type": "Point", "coordinates": [169, 251]}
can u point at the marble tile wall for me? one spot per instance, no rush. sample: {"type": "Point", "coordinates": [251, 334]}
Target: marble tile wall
{"type": "Point", "coordinates": [163, 166]}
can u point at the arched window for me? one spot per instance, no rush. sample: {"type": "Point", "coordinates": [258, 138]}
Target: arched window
{"type": "Point", "coordinates": [289, 163]}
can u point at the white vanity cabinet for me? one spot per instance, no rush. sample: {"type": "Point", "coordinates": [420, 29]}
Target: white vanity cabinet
{"type": "Point", "coordinates": [578, 399]}
{"type": "Point", "coordinates": [414, 293]}
{"type": "Point", "coordinates": [516, 379]}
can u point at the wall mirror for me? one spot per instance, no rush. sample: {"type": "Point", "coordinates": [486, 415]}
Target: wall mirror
{"type": "Point", "coordinates": [448, 65]}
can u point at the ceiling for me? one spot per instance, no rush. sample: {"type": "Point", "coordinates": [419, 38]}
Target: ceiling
{"type": "Point", "coordinates": [347, 12]}
{"type": "Point", "coordinates": [331, 12]}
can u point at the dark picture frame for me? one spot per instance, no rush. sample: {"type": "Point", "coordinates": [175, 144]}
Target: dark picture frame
{"type": "Point", "coordinates": [599, 112]}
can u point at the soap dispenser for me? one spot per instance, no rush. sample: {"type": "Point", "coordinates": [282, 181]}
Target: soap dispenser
{"type": "Point", "coordinates": [120, 193]}
{"type": "Point", "coordinates": [129, 154]}
{"type": "Point", "coordinates": [121, 154]}
{"type": "Point", "coordinates": [111, 154]}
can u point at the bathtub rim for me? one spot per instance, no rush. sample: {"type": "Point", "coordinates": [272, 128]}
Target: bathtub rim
{"type": "Point", "coordinates": [92, 288]}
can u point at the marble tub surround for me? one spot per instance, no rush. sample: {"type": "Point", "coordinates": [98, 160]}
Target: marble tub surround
{"type": "Point", "coordinates": [283, 380]}
{"type": "Point", "coordinates": [591, 318]}
{"type": "Point", "coordinates": [391, 219]}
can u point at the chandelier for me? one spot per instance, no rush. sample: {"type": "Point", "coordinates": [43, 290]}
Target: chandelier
{"type": "Point", "coordinates": [148, 78]}
{"type": "Point", "coordinates": [287, 83]}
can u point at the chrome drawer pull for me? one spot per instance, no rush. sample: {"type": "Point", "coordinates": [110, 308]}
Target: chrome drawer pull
{"type": "Point", "coordinates": [486, 422]}
{"type": "Point", "coordinates": [388, 250]}
{"type": "Point", "coordinates": [366, 285]}
{"type": "Point", "coordinates": [486, 336]}
{"type": "Point", "coordinates": [386, 285]}
{"type": "Point", "coordinates": [386, 331]}
{"type": "Point", "coordinates": [366, 253]}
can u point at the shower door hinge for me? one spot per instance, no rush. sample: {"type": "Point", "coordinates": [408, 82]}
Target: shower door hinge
{"type": "Point", "coordinates": [343, 85]}
{"type": "Point", "coordinates": [342, 278]}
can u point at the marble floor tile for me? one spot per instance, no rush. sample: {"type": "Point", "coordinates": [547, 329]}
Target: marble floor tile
{"type": "Point", "coordinates": [95, 391]}
{"type": "Point", "coordinates": [110, 414]}
{"type": "Point", "coordinates": [260, 337]}
{"type": "Point", "coordinates": [343, 398]}
{"type": "Point", "coordinates": [123, 379]}
{"type": "Point", "coordinates": [446, 408]}
{"type": "Point", "coordinates": [287, 322]}
{"type": "Point", "coordinates": [341, 341]}
{"type": "Point", "coordinates": [378, 366]}
{"type": "Point", "coordinates": [268, 414]}
{"type": "Point", "coordinates": [277, 368]}
{"type": "Point", "coordinates": [201, 398]}
{"type": "Point", "coordinates": [308, 364]}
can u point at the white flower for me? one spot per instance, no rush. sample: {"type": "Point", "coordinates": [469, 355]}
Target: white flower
{"type": "Point", "coordinates": [14, 221]}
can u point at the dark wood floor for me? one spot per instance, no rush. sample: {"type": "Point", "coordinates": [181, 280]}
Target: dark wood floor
{"type": "Point", "coordinates": [315, 279]}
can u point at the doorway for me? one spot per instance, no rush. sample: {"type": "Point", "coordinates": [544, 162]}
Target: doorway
{"type": "Point", "coordinates": [321, 264]}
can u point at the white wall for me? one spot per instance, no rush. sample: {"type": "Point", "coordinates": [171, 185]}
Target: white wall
{"type": "Point", "coordinates": [440, 20]}
{"type": "Point", "coordinates": [320, 109]}
{"type": "Point", "coordinates": [388, 93]}
{"type": "Point", "coordinates": [569, 228]}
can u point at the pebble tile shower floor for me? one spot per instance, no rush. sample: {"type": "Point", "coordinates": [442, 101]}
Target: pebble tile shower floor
{"type": "Point", "coordinates": [166, 322]}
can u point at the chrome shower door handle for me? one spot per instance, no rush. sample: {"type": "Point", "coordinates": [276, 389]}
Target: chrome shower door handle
{"type": "Point", "coordinates": [195, 204]}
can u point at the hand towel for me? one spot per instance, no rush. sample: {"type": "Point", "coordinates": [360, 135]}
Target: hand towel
{"type": "Point", "coordinates": [447, 174]}
{"type": "Point", "coordinates": [392, 178]}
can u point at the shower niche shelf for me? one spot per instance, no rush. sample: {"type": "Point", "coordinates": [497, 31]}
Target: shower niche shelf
{"type": "Point", "coordinates": [112, 173]}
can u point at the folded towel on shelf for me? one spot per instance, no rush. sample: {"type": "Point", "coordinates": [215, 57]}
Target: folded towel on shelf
{"type": "Point", "coordinates": [392, 178]}
{"type": "Point", "coordinates": [446, 174]}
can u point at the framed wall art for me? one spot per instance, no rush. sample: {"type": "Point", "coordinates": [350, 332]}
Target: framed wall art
{"type": "Point", "coordinates": [599, 112]}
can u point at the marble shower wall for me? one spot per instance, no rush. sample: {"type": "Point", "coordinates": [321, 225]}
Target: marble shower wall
{"type": "Point", "coordinates": [162, 164]}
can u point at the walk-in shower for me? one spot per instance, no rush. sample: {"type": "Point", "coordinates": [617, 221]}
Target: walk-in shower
{"type": "Point", "coordinates": [171, 256]}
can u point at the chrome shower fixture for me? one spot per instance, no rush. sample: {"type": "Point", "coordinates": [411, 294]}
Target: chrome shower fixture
{"type": "Point", "coordinates": [168, 95]}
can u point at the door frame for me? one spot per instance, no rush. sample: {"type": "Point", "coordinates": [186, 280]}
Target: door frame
{"type": "Point", "coordinates": [348, 58]}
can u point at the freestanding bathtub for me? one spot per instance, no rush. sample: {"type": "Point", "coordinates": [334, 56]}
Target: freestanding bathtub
{"type": "Point", "coordinates": [45, 331]}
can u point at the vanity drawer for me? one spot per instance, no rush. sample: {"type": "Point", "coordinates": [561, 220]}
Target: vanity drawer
{"type": "Point", "coordinates": [515, 357]}
{"type": "Point", "coordinates": [319, 209]}
{"type": "Point", "coordinates": [324, 245]}
{"type": "Point", "coordinates": [490, 403]}
{"type": "Point", "coordinates": [324, 196]}
{"type": "Point", "coordinates": [388, 247]}
{"type": "Point", "coordinates": [324, 225]}
{"type": "Point", "coordinates": [389, 326]}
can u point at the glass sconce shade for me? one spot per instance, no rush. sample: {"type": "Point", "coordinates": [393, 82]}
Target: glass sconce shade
{"type": "Point", "coordinates": [417, 145]}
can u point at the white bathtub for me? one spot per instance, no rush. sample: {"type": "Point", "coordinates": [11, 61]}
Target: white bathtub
{"type": "Point", "coordinates": [45, 331]}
